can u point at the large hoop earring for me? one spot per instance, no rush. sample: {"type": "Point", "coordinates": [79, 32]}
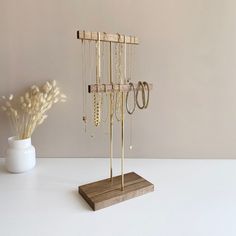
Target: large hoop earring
{"type": "Point", "coordinates": [127, 97]}
{"type": "Point", "coordinates": [140, 84]}
{"type": "Point", "coordinates": [145, 84]}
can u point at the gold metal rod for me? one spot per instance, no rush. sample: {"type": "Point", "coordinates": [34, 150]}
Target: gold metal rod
{"type": "Point", "coordinates": [98, 56]}
{"type": "Point", "coordinates": [111, 117]}
{"type": "Point", "coordinates": [125, 60]}
{"type": "Point", "coordinates": [123, 123]}
{"type": "Point", "coordinates": [122, 142]}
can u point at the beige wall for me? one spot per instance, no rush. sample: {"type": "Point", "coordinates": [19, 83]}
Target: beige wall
{"type": "Point", "coordinates": [187, 50]}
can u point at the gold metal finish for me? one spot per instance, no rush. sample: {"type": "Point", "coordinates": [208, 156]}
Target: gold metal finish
{"type": "Point", "coordinates": [122, 142]}
{"type": "Point", "coordinates": [123, 80]}
{"type": "Point", "coordinates": [118, 89]}
{"type": "Point", "coordinates": [140, 84]}
{"type": "Point", "coordinates": [98, 64]}
{"type": "Point", "coordinates": [111, 117]}
{"type": "Point", "coordinates": [97, 96]}
{"type": "Point", "coordinates": [145, 84]}
{"type": "Point", "coordinates": [127, 98]}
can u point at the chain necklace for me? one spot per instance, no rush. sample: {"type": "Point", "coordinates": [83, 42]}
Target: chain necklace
{"type": "Point", "coordinates": [119, 79]}
{"type": "Point", "coordinates": [97, 95]}
{"type": "Point", "coordinates": [105, 77]}
{"type": "Point", "coordinates": [131, 62]}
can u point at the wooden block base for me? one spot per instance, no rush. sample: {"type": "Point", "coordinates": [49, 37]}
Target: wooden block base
{"type": "Point", "coordinates": [105, 192]}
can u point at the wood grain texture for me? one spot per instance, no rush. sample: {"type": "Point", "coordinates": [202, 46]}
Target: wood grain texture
{"type": "Point", "coordinates": [105, 193]}
{"type": "Point", "coordinates": [107, 37]}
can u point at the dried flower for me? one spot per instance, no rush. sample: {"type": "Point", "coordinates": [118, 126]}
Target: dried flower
{"type": "Point", "coordinates": [26, 115]}
{"type": "Point", "coordinates": [54, 83]}
{"type": "Point", "coordinates": [11, 97]}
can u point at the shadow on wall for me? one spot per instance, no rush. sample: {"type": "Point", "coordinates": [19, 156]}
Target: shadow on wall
{"type": "Point", "coordinates": [5, 132]}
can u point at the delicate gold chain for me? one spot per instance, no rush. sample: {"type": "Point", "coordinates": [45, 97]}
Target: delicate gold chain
{"type": "Point", "coordinates": [97, 111]}
{"type": "Point", "coordinates": [130, 66]}
{"type": "Point", "coordinates": [96, 95]}
{"type": "Point", "coordinates": [104, 104]}
{"type": "Point", "coordinates": [118, 95]}
{"type": "Point", "coordinates": [104, 96]}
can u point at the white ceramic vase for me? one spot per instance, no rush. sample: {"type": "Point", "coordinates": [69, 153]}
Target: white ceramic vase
{"type": "Point", "coordinates": [20, 155]}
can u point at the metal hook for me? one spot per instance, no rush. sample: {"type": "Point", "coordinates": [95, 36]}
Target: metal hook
{"type": "Point", "coordinates": [118, 37]}
{"type": "Point", "coordinates": [104, 88]}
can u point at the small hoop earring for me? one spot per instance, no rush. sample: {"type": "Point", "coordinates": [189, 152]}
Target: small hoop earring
{"type": "Point", "coordinates": [140, 84]}
{"type": "Point", "coordinates": [127, 97]}
{"type": "Point", "coordinates": [145, 84]}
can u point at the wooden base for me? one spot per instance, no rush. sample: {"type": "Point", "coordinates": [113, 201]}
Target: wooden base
{"type": "Point", "coordinates": [105, 192]}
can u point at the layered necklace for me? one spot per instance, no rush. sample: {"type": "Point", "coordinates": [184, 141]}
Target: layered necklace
{"type": "Point", "coordinates": [123, 55]}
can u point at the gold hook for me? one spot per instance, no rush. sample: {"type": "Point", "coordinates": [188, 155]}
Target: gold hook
{"type": "Point", "coordinates": [105, 36]}
{"type": "Point", "coordinates": [104, 88]}
{"type": "Point", "coordinates": [118, 37]}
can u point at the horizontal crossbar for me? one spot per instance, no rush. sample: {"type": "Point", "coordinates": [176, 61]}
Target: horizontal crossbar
{"type": "Point", "coordinates": [101, 88]}
{"type": "Point", "coordinates": [106, 37]}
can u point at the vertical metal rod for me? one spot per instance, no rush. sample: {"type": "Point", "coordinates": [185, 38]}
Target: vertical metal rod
{"type": "Point", "coordinates": [111, 117]}
{"type": "Point", "coordinates": [98, 57]}
{"type": "Point", "coordinates": [123, 123]}
{"type": "Point", "coordinates": [122, 142]}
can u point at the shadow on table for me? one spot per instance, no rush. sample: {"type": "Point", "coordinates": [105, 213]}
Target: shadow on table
{"type": "Point", "coordinates": [3, 169]}
{"type": "Point", "coordinates": [82, 203]}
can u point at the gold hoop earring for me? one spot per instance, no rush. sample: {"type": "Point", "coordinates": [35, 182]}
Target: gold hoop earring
{"type": "Point", "coordinates": [145, 84]}
{"type": "Point", "coordinates": [127, 97]}
{"type": "Point", "coordinates": [140, 84]}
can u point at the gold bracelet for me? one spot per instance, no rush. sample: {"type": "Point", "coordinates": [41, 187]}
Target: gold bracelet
{"type": "Point", "coordinates": [140, 84]}
{"type": "Point", "coordinates": [145, 84]}
{"type": "Point", "coordinates": [127, 96]}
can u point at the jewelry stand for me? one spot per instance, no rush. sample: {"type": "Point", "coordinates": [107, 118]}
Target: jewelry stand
{"type": "Point", "coordinates": [116, 189]}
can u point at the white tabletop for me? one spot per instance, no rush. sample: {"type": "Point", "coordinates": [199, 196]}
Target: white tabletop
{"type": "Point", "coordinates": [191, 197]}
